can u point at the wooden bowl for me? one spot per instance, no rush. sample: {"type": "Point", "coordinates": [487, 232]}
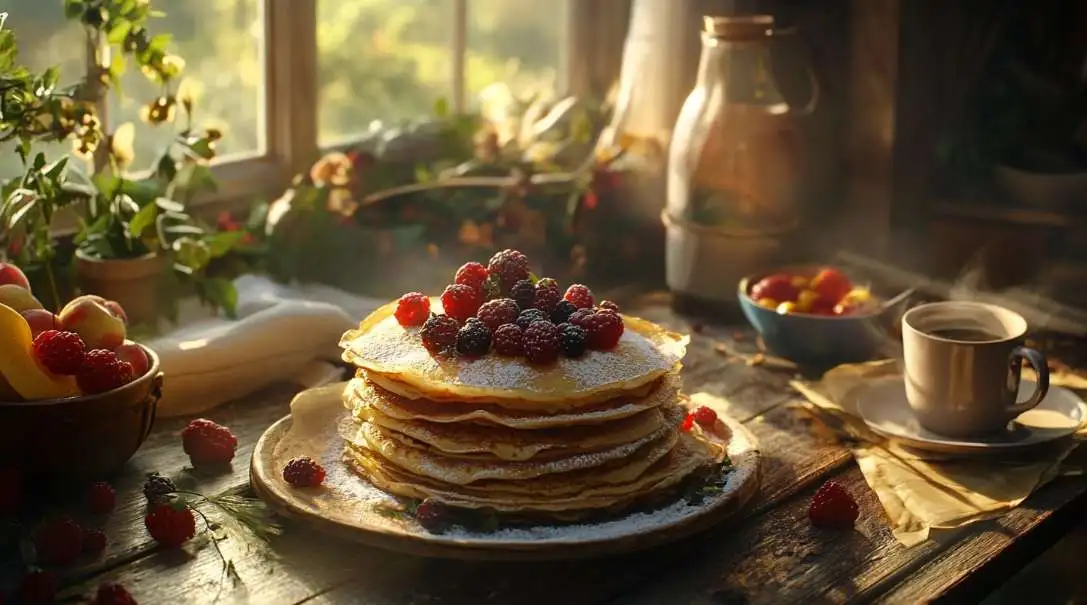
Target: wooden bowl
{"type": "Point", "coordinates": [80, 438]}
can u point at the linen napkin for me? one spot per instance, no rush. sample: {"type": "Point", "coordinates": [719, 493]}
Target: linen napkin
{"type": "Point", "coordinates": [921, 492]}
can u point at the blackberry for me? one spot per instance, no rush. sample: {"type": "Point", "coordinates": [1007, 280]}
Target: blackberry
{"type": "Point", "coordinates": [439, 333]}
{"type": "Point", "coordinates": [542, 343]}
{"type": "Point", "coordinates": [525, 319]}
{"type": "Point", "coordinates": [511, 266]}
{"type": "Point", "coordinates": [473, 339]}
{"type": "Point", "coordinates": [508, 340]}
{"type": "Point", "coordinates": [610, 305]}
{"type": "Point", "coordinates": [547, 295]}
{"type": "Point", "coordinates": [497, 312]}
{"type": "Point", "coordinates": [562, 312]}
{"type": "Point", "coordinates": [524, 293]}
{"type": "Point", "coordinates": [157, 488]}
{"type": "Point", "coordinates": [574, 340]}
{"type": "Point", "coordinates": [433, 516]}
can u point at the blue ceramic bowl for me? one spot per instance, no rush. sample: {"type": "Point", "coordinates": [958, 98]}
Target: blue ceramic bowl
{"type": "Point", "coordinates": [820, 340]}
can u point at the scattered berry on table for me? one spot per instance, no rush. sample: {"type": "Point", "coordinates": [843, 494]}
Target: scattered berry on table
{"type": "Point", "coordinates": [688, 423]}
{"type": "Point", "coordinates": [563, 310]}
{"type": "Point", "coordinates": [460, 302]}
{"type": "Point", "coordinates": [439, 333]}
{"type": "Point", "coordinates": [542, 343]}
{"type": "Point", "coordinates": [58, 541]}
{"type": "Point", "coordinates": [510, 267]}
{"type": "Point", "coordinates": [525, 319]}
{"type": "Point", "coordinates": [547, 295]}
{"type": "Point", "coordinates": [412, 309]}
{"type": "Point", "coordinates": [473, 339]}
{"type": "Point", "coordinates": [509, 340]}
{"type": "Point", "coordinates": [11, 490]}
{"type": "Point", "coordinates": [609, 305]}
{"type": "Point", "coordinates": [580, 295]}
{"type": "Point", "coordinates": [432, 515]}
{"type": "Point", "coordinates": [573, 340]}
{"type": "Point", "coordinates": [60, 352]}
{"type": "Point", "coordinates": [578, 317]}
{"type": "Point", "coordinates": [207, 442]}
{"type": "Point", "coordinates": [833, 507]}
{"type": "Point", "coordinates": [38, 587]}
{"type": "Point", "coordinates": [499, 311]}
{"type": "Point", "coordinates": [303, 472]}
{"type": "Point", "coordinates": [157, 489]}
{"type": "Point", "coordinates": [524, 293]}
{"type": "Point", "coordinates": [101, 498]}
{"type": "Point", "coordinates": [605, 329]}
{"type": "Point", "coordinates": [113, 594]}
{"type": "Point", "coordinates": [473, 275]}
{"type": "Point", "coordinates": [705, 416]}
{"type": "Point", "coordinates": [103, 371]}
{"type": "Point", "coordinates": [94, 540]}
{"type": "Point", "coordinates": [171, 525]}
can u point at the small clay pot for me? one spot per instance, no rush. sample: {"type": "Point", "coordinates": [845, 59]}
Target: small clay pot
{"type": "Point", "coordinates": [133, 283]}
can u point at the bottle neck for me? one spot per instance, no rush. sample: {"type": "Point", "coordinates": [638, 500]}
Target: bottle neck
{"type": "Point", "coordinates": [741, 69]}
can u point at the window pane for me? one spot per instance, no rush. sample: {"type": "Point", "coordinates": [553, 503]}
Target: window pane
{"type": "Point", "coordinates": [517, 42]}
{"type": "Point", "coordinates": [220, 41]}
{"type": "Point", "coordinates": [380, 59]}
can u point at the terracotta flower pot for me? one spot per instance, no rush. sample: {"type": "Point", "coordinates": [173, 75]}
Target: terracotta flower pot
{"type": "Point", "coordinates": [134, 283]}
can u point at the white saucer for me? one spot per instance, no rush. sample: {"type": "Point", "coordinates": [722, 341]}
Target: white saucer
{"type": "Point", "coordinates": [885, 410]}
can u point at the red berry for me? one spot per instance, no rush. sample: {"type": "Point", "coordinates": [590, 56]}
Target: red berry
{"type": "Point", "coordinates": [102, 371]}
{"type": "Point", "coordinates": [412, 309]}
{"type": "Point", "coordinates": [11, 490]}
{"type": "Point", "coordinates": [58, 541]}
{"type": "Point", "coordinates": [171, 525]}
{"type": "Point", "coordinates": [101, 498]}
{"type": "Point", "coordinates": [208, 443]}
{"type": "Point", "coordinates": [542, 343]}
{"type": "Point", "coordinates": [94, 540]}
{"type": "Point", "coordinates": [113, 594]}
{"type": "Point", "coordinates": [523, 293]}
{"type": "Point", "coordinates": [473, 275]}
{"type": "Point", "coordinates": [303, 472]}
{"type": "Point", "coordinates": [432, 515]}
{"type": "Point", "coordinates": [439, 333]}
{"type": "Point", "coordinates": [609, 305]}
{"type": "Point", "coordinates": [604, 328]}
{"type": "Point", "coordinates": [578, 317]}
{"type": "Point", "coordinates": [38, 587]}
{"type": "Point", "coordinates": [833, 507]}
{"type": "Point", "coordinates": [547, 295]}
{"type": "Point", "coordinates": [688, 423]}
{"type": "Point", "coordinates": [580, 295]}
{"type": "Point", "coordinates": [460, 302]}
{"type": "Point", "coordinates": [508, 340]}
{"type": "Point", "coordinates": [60, 352]}
{"type": "Point", "coordinates": [705, 416]}
{"type": "Point", "coordinates": [510, 266]}
{"type": "Point", "coordinates": [496, 312]}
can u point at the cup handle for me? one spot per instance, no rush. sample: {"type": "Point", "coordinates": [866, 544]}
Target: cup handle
{"type": "Point", "coordinates": [1037, 361]}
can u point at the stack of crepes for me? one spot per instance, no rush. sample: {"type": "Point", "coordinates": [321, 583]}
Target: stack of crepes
{"type": "Point", "coordinates": [600, 432]}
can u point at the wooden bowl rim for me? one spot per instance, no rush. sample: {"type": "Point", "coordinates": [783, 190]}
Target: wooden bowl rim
{"type": "Point", "coordinates": [153, 374]}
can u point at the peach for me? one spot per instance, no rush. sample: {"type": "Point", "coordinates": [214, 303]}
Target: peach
{"type": "Point", "coordinates": [18, 298]}
{"type": "Point", "coordinates": [94, 322]}
{"type": "Point", "coordinates": [116, 309]}
{"type": "Point", "coordinates": [10, 274]}
{"type": "Point", "coordinates": [135, 355]}
{"type": "Point", "coordinates": [7, 392]}
{"type": "Point", "coordinates": [40, 320]}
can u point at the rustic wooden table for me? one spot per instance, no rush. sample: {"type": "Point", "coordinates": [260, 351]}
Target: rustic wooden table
{"type": "Point", "coordinates": [767, 554]}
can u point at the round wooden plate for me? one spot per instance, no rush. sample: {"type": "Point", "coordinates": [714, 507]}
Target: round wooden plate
{"type": "Point", "coordinates": [349, 507]}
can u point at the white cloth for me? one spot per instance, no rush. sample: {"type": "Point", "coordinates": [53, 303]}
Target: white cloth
{"type": "Point", "coordinates": [283, 333]}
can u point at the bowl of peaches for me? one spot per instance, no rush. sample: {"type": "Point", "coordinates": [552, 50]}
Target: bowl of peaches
{"type": "Point", "coordinates": [77, 398]}
{"type": "Point", "coordinates": [819, 315]}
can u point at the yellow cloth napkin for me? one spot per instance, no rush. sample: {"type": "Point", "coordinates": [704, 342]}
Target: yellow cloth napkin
{"type": "Point", "coordinates": [922, 492]}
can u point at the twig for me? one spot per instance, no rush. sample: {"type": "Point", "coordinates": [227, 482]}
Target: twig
{"type": "Point", "coordinates": [469, 182]}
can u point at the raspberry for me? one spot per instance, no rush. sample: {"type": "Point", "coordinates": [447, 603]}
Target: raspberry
{"type": "Point", "coordinates": [509, 340]}
{"type": "Point", "coordinates": [510, 266]}
{"type": "Point", "coordinates": [38, 587]}
{"type": "Point", "coordinates": [580, 295]}
{"type": "Point", "coordinates": [473, 275]}
{"type": "Point", "coordinates": [499, 311]}
{"type": "Point", "coordinates": [432, 515]}
{"type": "Point", "coordinates": [705, 416]}
{"type": "Point", "coordinates": [562, 312]}
{"type": "Point", "coordinates": [525, 319]}
{"type": "Point", "coordinates": [547, 295]}
{"type": "Point", "coordinates": [833, 507]}
{"type": "Point", "coordinates": [208, 443]}
{"type": "Point", "coordinates": [171, 525]}
{"type": "Point", "coordinates": [688, 423]}
{"type": "Point", "coordinates": [542, 342]}
{"type": "Point", "coordinates": [439, 333]}
{"type": "Point", "coordinates": [578, 317]}
{"type": "Point", "coordinates": [94, 540]}
{"type": "Point", "coordinates": [102, 371]}
{"type": "Point", "coordinates": [573, 340]}
{"type": "Point", "coordinates": [460, 302]}
{"type": "Point", "coordinates": [604, 328]}
{"type": "Point", "coordinates": [11, 491]}
{"type": "Point", "coordinates": [60, 352]}
{"type": "Point", "coordinates": [101, 498]}
{"type": "Point", "coordinates": [474, 339]}
{"type": "Point", "coordinates": [412, 309]}
{"type": "Point", "coordinates": [523, 293]}
{"type": "Point", "coordinates": [609, 305]}
{"type": "Point", "coordinates": [303, 472]}
{"type": "Point", "coordinates": [113, 594]}
{"type": "Point", "coordinates": [58, 541]}
{"type": "Point", "coordinates": [157, 489]}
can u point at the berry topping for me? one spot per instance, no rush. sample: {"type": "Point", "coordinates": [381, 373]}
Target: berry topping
{"type": "Point", "coordinates": [432, 515]}
{"type": "Point", "coordinates": [525, 319]}
{"type": "Point", "coordinates": [439, 333]}
{"type": "Point", "coordinates": [171, 525]}
{"type": "Point", "coordinates": [547, 295]}
{"type": "Point", "coordinates": [208, 443]}
{"type": "Point", "coordinates": [705, 416]}
{"type": "Point", "coordinates": [580, 295]}
{"type": "Point", "coordinates": [499, 311]}
{"type": "Point", "coordinates": [510, 266]}
{"type": "Point", "coordinates": [509, 340]}
{"type": "Point", "coordinates": [102, 371]}
{"type": "Point", "coordinates": [604, 328]}
{"type": "Point", "coordinates": [524, 293]}
{"type": "Point", "coordinates": [58, 541]}
{"type": "Point", "coordinates": [303, 472]}
{"type": "Point", "coordinates": [113, 594]}
{"type": "Point", "coordinates": [833, 507]}
{"type": "Point", "coordinates": [573, 340]}
{"type": "Point", "coordinates": [412, 309]}
{"type": "Point", "coordinates": [609, 305]}
{"type": "Point", "coordinates": [688, 423]}
{"type": "Point", "coordinates": [473, 339]}
{"type": "Point", "coordinates": [473, 275]}
{"type": "Point", "coordinates": [38, 587]}
{"type": "Point", "coordinates": [11, 491]}
{"type": "Point", "coordinates": [578, 317]}
{"type": "Point", "coordinates": [101, 498]}
{"type": "Point", "coordinates": [94, 540]}
{"type": "Point", "coordinates": [542, 343]}
{"type": "Point", "coordinates": [562, 312]}
{"type": "Point", "coordinates": [157, 489]}
{"type": "Point", "coordinates": [60, 352]}
{"type": "Point", "coordinates": [460, 301]}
